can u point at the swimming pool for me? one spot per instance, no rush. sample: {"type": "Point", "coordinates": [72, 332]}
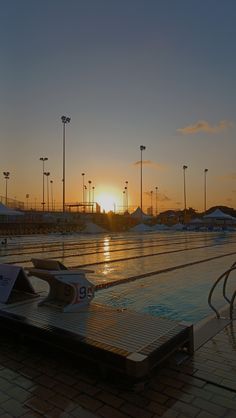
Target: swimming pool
{"type": "Point", "coordinates": [164, 273]}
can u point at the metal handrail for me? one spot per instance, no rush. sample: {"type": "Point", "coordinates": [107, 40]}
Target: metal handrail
{"type": "Point", "coordinates": [231, 309]}
{"type": "Point", "coordinates": [225, 282]}
{"type": "Point", "coordinates": [226, 276]}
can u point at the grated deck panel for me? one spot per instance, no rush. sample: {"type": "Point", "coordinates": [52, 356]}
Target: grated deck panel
{"type": "Point", "coordinates": [121, 332]}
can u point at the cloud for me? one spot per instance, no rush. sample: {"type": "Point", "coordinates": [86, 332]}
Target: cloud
{"type": "Point", "coordinates": [150, 164]}
{"type": "Point", "coordinates": [204, 126]}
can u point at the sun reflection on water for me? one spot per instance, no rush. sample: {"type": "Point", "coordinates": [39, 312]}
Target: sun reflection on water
{"type": "Point", "coordinates": [106, 248]}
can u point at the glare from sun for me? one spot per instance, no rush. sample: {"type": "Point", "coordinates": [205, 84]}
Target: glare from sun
{"type": "Point", "coordinates": [107, 202]}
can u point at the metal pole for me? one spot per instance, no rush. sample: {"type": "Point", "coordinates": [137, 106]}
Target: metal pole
{"type": "Point", "coordinates": [43, 159]}
{"type": "Point", "coordinates": [142, 148]}
{"type": "Point", "coordinates": [48, 193]}
{"type": "Point", "coordinates": [127, 198]}
{"type": "Point", "coordinates": [205, 189]}
{"type": "Point", "coordinates": [141, 185]}
{"type": "Point", "coordinates": [83, 186]}
{"type": "Point", "coordinates": [51, 182]}
{"type": "Point", "coordinates": [185, 204]}
{"type": "Point", "coordinates": [156, 199]}
{"type": "Point", "coordinates": [89, 183]}
{"type": "Point", "coordinates": [64, 120]}
{"type": "Point", "coordinates": [151, 202]}
{"type": "Point", "coordinates": [93, 196]}
{"type": "Point", "coordinates": [85, 194]}
{"type": "Point", "coordinates": [6, 189]}
{"type": "Point", "coordinates": [47, 174]}
{"type": "Point", "coordinates": [6, 176]}
{"type": "Point", "coordinates": [43, 186]}
{"type": "Point", "coordinates": [64, 163]}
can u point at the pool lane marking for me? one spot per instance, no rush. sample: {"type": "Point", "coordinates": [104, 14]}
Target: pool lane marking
{"type": "Point", "coordinates": [101, 252]}
{"type": "Point", "coordinates": [145, 255]}
{"type": "Point", "coordinates": [157, 272]}
{"type": "Point", "coordinates": [57, 247]}
{"type": "Point", "coordinates": [123, 258]}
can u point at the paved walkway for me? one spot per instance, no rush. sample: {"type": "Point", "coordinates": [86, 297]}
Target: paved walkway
{"type": "Point", "coordinates": [35, 384]}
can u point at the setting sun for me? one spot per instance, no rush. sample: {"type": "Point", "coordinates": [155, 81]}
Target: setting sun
{"type": "Point", "coordinates": [107, 201]}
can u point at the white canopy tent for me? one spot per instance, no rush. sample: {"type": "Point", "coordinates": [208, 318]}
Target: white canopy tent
{"type": "Point", "coordinates": [219, 215]}
{"type": "Point", "coordinates": [138, 214]}
{"type": "Point", "coordinates": [5, 211]}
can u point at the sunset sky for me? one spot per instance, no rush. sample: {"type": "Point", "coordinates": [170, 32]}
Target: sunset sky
{"type": "Point", "coordinates": [159, 73]}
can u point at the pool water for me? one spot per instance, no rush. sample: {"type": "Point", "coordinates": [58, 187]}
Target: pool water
{"type": "Point", "coordinates": [180, 294]}
{"type": "Point", "coordinates": [164, 273]}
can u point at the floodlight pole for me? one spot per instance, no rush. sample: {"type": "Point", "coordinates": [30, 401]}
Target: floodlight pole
{"type": "Point", "coordinates": [127, 197]}
{"type": "Point", "coordinates": [51, 182]}
{"type": "Point", "coordinates": [93, 189]}
{"type": "Point", "coordinates": [64, 120]}
{"type": "Point", "coordinates": [123, 201]}
{"type": "Point", "coordinates": [89, 188]}
{"type": "Point", "coordinates": [83, 174]}
{"type": "Point", "coordinates": [142, 148]}
{"type": "Point", "coordinates": [151, 194]}
{"type": "Point", "coordinates": [6, 176]}
{"type": "Point", "coordinates": [156, 199]}
{"type": "Point", "coordinates": [47, 174]}
{"type": "Point", "coordinates": [185, 204]}
{"type": "Point", "coordinates": [205, 188]}
{"type": "Point", "coordinates": [43, 159]}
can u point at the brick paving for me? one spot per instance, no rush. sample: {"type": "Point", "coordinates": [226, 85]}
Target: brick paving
{"type": "Point", "coordinates": [35, 383]}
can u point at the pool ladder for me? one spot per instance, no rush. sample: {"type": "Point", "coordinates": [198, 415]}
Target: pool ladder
{"type": "Point", "coordinates": [223, 277]}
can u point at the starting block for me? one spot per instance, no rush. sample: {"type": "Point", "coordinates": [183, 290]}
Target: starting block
{"type": "Point", "coordinates": [68, 291]}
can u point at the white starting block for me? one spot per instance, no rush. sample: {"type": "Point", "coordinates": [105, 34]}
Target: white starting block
{"type": "Point", "coordinates": [69, 290]}
{"type": "Point", "coordinates": [14, 284]}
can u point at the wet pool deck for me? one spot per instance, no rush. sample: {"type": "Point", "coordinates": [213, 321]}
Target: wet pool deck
{"type": "Point", "coordinates": [35, 384]}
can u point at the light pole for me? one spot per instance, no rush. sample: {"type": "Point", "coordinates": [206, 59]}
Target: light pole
{"type": "Point", "coordinates": [6, 177]}
{"type": "Point", "coordinates": [89, 183]}
{"type": "Point", "coordinates": [156, 199]}
{"type": "Point", "coordinates": [64, 120]}
{"type": "Point", "coordinates": [142, 148]}
{"type": "Point", "coordinates": [151, 193]}
{"type": "Point", "coordinates": [85, 194]}
{"type": "Point", "coordinates": [185, 205]}
{"type": "Point", "coordinates": [124, 201]}
{"type": "Point", "coordinates": [83, 174]}
{"type": "Point", "coordinates": [126, 192]}
{"type": "Point", "coordinates": [93, 189]}
{"type": "Point", "coordinates": [127, 197]}
{"type": "Point", "coordinates": [43, 159]}
{"type": "Point", "coordinates": [47, 174]}
{"type": "Point", "coordinates": [205, 188]}
{"type": "Point", "coordinates": [51, 182]}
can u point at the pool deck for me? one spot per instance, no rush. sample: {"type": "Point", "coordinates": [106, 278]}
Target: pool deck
{"type": "Point", "coordinates": [36, 383]}
{"type": "Point", "coordinates": [123, 341]}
